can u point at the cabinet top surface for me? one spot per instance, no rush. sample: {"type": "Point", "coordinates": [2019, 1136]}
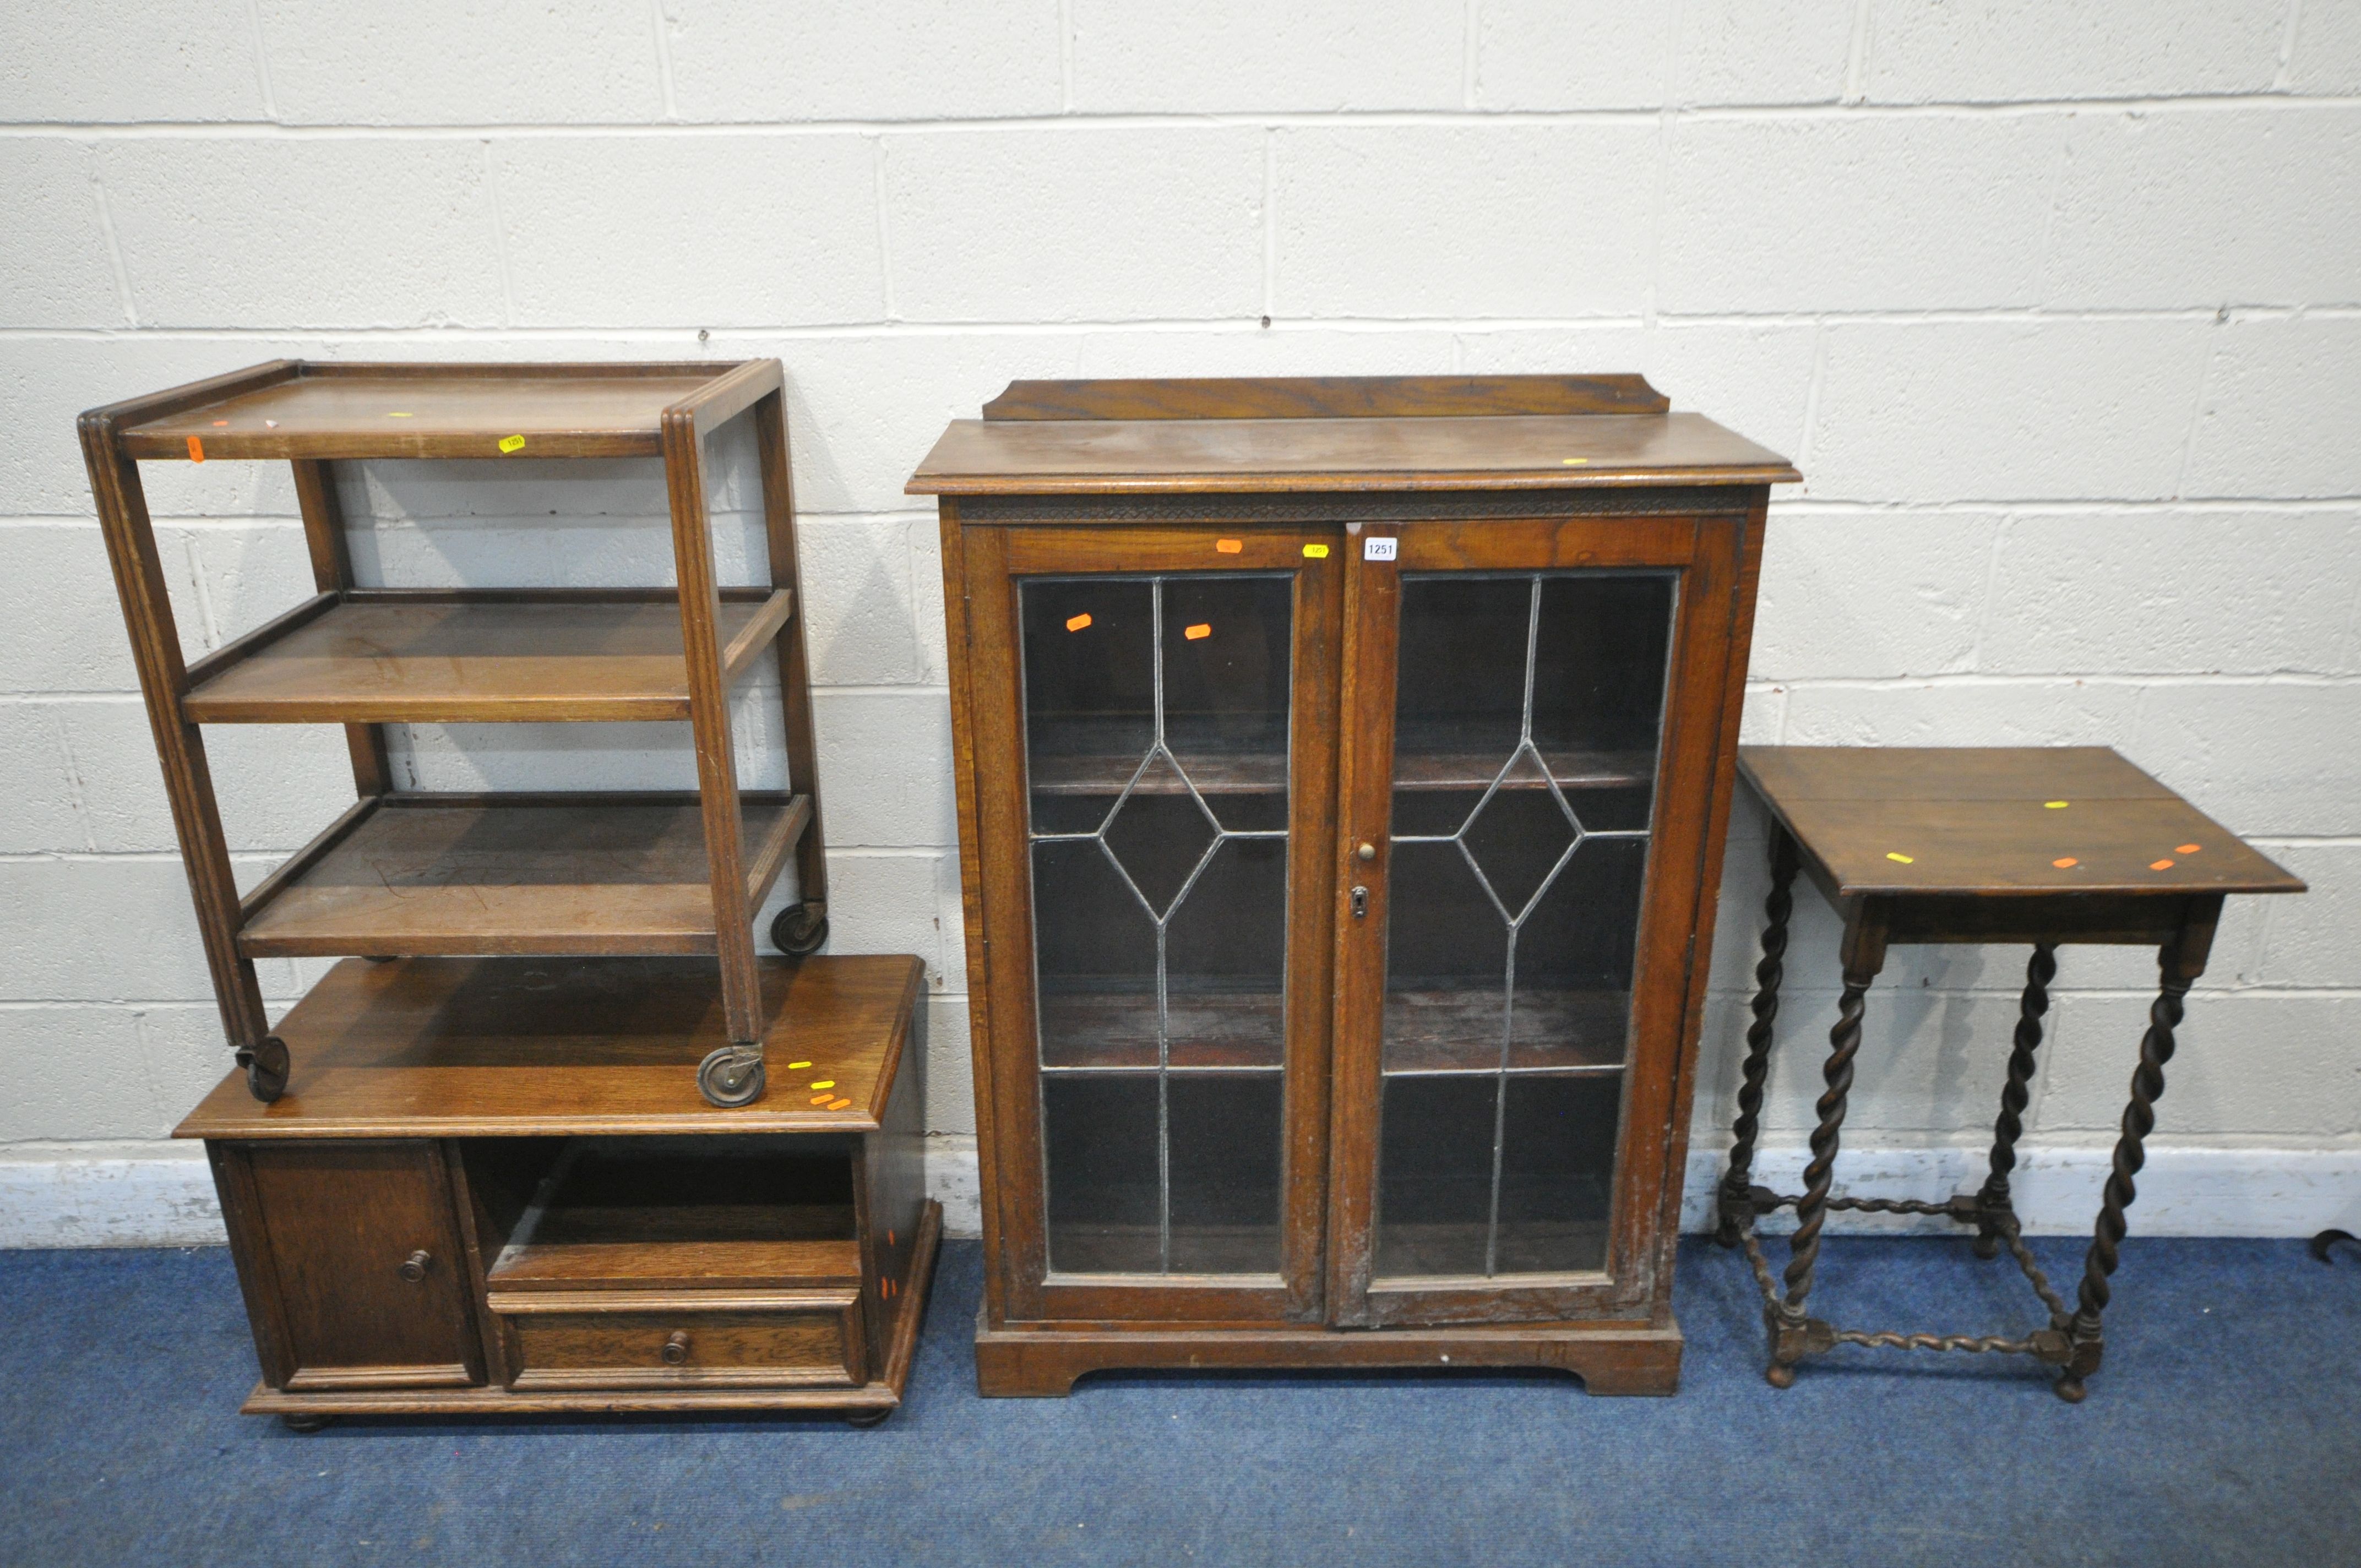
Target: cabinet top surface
{"type": "Point", "coordinates": [416, 410]}
{"type": "Point", "coordinates": [1999, 820]}
{"type": "Point", "coordinates": [1373, 452]}
{"type": "Point", "coordinates": [455, 1048]}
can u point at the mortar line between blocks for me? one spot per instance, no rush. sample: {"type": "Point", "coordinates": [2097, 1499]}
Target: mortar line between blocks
{"type": "Point", "coordinates": [663, 60]}
{"type": "Point", "coordinates": [2195, 103]}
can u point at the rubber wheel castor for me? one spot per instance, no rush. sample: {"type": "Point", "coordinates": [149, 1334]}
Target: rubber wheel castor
{"type": "Point", "coordinates": [866, 1418]}
{"type": "Point", "coordinates": [304, 1423]}
{"type": "Point", "coordinates": [798, 932]}
{"type": "Point", "coordinates": [266, 1063]}
{"type": "Point", "coordinates": [728, 1076]}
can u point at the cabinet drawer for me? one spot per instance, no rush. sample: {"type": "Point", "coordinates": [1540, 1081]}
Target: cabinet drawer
{"type": "Point", "coordinates": [643, 1339]}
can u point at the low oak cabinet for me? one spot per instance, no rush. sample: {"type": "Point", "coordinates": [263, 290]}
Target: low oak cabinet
{"type": "Point", "coordinates": [1343, 770]}
{"type": "Point", "coordinates": [490, 1186]}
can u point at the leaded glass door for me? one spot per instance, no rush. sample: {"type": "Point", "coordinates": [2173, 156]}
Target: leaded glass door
{"type": "Point", "coordinates": [1169, 771]}
{"type": "Point", "coordinates": [1512, 936]}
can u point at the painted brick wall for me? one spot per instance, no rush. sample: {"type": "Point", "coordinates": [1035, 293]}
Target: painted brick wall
{"type": "Point", "coordinates": [2057, 306]}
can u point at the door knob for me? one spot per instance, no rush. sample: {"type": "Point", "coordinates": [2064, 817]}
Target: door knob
{"type": "Point", "coordinates": [676, 1349]}
{"type": "Point", "coordinates": [413, 1268]}
{"type": "Point", "coordinates": [1367, 851]}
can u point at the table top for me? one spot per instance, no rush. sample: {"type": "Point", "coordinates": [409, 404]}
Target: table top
{"type": "Point", "coordinates": [2007, 820]}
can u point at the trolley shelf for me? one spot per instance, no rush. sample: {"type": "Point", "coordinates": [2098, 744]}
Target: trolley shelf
{"type": "Point", "coordinates": [521, 1047]}
{"type": "Point", "coordinates": [415, 411]}
{"type": "Point", "coordinates": [546, 874]}
{"type": "Point", "coordinates": [402, 656]}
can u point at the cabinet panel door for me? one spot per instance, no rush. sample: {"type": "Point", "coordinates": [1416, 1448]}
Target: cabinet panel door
{"type": "Point", "coordinates": [329, 1237]}
{"type": "Point", "coordinates": [1153, 716]}
{"type": "Point", "coordinates": [1533, 716]}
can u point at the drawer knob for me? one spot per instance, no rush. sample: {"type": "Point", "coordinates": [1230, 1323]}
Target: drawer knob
{"type": "Point", "coordinates": [676, 1349]}
{"type": "Point", "coordinates": [413, 1268]}
{"type": "Point", "coordinates": [1367, 851]}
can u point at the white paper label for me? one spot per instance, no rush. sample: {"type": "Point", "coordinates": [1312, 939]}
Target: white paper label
{"type": "Point", "coordinates": [1376, 549]}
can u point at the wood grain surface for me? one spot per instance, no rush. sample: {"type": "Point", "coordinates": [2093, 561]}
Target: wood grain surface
{"type": "Point", "coordinates": [394, 411]}
{"type": "Point", "coordinates": [456, 659]}
{"type": "Point", "coordinates": [457, 1047]}
{"type": "Point", "coordinates": [1068, 456]}
{"type": "Point", "coordinates": [1999, 820]}
{"type": "Point", "coordinates": [521, 874]}
{"type": "Point", "coordinates": [1327, 397]}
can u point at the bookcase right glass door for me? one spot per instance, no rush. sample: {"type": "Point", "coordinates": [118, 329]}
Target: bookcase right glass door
{"type": "Point", "coordinates": [1528, 709]}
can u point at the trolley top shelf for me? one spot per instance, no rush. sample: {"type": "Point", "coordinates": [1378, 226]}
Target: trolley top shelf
{"type": "Point", "coordinates": [294, 408]}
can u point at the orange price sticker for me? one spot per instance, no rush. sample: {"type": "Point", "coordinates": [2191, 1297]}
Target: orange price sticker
{"type": "Point", "coordinates": [1076, 622]}
{"type": "Point", "coordinates": [2187, 848]}
{"type": "Point", "coordinates": [196, 450]}
{"type": "Point", "coordinates": [2064, 861]}
{"type": "Point", "coordinates": [2160, 865]}
{"type": "Point", "coordinates": [1228, 546]}
{"type": "Point", "coordinates": [838, 1104]}
{"type": "Point", "coordinates": [220, 423]}
{"type": "Point", "coordinates": [1198, 632]}
{"type": "Point", "coordinates": [822, 1099]}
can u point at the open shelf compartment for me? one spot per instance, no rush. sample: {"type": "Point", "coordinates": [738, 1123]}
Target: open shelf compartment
{"type": "Point", "coordinates": [550, 874]}
{"type": "Point", "coordinates": [678, 1213]}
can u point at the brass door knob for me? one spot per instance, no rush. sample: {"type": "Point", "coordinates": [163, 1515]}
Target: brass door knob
{"type": "Point", "coordinates": [676, 1349]}
{"type": "Point", "coordinates": [413, 1268]}
{"type": "Point", "coordinates": [1367, 851]}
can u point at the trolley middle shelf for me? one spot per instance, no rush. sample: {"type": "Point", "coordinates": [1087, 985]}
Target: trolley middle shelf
{"type": "Point", "coordinates": [576, 872]}
{"type": "Point", "coordinates": [479, 655]}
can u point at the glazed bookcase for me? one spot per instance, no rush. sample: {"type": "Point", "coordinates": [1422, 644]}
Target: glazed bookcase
{"type": "Point", "coordinates": [405, 873]}
{"type": "Point", "coordinates": [1344, 767]}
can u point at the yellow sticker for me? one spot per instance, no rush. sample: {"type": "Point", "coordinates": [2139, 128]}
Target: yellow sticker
{"type": "Point", "coordinates": [1228, 546]}
{"type": "Point", "coordinates": [1198, 632]}
{"type": "Point", "coordinates": [2055, 804]}
{"type": "Point", "coordinates": [793, 1064]}
{"type": "Point", "coordinates": [1315, 552]}
{"type": "Point", "coordinates": [824, 1083]}
{"type": "Point", "coordinates": [399, 414]}
{"type": "Point", "coordinates": [511, 443]}
{"type": "Point", "coordinates": [1905, 860]}
{"type": "Point", "coordinates": [1577, 462]}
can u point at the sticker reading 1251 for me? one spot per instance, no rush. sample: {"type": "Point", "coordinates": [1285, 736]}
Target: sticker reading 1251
{"type": "Point", "coordinates": [1376, 549]}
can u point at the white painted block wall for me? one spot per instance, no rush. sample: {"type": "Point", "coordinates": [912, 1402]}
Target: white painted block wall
{"type": "Point", "coordinates": [2059, 307]}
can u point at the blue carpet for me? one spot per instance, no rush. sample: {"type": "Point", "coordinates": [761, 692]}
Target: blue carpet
{"type": "Point", "coordinates": [2226, 1427]}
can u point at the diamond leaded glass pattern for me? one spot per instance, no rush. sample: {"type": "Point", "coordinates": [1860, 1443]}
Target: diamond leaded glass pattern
{"type": "Point", "coordinates": [1156, 721]}
{"type": "Point", "coordinates": [1527, 722]}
